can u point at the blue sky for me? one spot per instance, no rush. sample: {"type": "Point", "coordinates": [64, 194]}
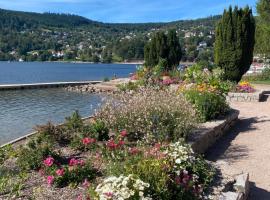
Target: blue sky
{"type": "Point", "coordinates": [128, 10]}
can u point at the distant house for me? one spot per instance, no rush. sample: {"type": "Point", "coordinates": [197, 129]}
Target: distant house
{"type": "Point", "coordinates": [189, 34]}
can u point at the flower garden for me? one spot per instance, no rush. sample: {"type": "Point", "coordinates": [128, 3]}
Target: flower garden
{"type": "Point", "coordinates": [133, 148]}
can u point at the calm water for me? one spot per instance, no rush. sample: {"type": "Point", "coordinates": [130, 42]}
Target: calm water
{"type": "Point", "coordinates": [37, 72]}
{"type": "Point", "coordinates": [21, 110]}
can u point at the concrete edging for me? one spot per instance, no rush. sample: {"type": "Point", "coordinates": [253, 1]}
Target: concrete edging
{"type": "Point", "coordinates": [204, 137]}
{"type": "Point", "coordinates": [245, 97]}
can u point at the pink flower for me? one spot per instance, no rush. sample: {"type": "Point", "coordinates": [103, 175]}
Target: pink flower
{"type": "Point", "coordinates": [60, 172]}
{"type": "Point", "coordinates": [50, 180]}
{"type": "Point", "coordinates": [80, 197]}
{"type": "Point", "coordinates": [86, 183]}
{"type": "Point", "coordinates": [109, 194]}
{"type": "Point", "coordinates": [48, 161]}
{"type": "Point", "coordinates": [81, 162]}
{"type": "Point", "coordinates": [87, 141]}
{"type": "Point", "coordinates": [123, 133]}
{"type": "Point", "coordinates": [73, 162]}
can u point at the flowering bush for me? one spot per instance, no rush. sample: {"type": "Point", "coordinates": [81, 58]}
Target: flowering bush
{"type": "Point", "coordinates": [75, 172]}
{"type": "Point", "coordinates": [172, 171]}
{"type": "Point", "coordinates": [122, 187]}
{"type": "Point", "coordinates": [158, 114]}
{"type": "Point", "coordinates": [209, 105]}
{"type": "Point", "coordinates": [244, 87]}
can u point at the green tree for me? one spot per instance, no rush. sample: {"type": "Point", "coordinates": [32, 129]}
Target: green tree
{"type": "Point", "coordinates": [263, 28]}
{"type": "Point", "coordinates": [163, 46]}
{"type": "Point", "coordinates": [175, 53]}
{"type": "Point", "coordinates": [234, 42]}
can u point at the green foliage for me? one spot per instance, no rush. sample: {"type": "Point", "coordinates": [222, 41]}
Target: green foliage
{"type": "Point", "coordinates": [37, 37]}
{"type": "Point", "coordinates": [11, 182]}
{"type": "Point", "coordinates": [31, 156]}
{"type": "Point", "coordinates": [234, 43]}
{"type": "Point", "coordinates": [5, 153]}
{"type": "Point", "coordinates": [263, 28]}
{"type": "Point", "coordinates": [125, 87]}
{"type": "Point", "coordinates": [99, 129]}
{"type": "Point", "coordinates": [209, 105]}
{"type": "Point", "coordinates": [163, 47]}
{"type": "Point", "coordinates": [74, 122]}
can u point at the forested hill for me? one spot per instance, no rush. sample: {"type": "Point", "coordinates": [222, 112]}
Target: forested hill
{"type": "Point", "coordinates": [48, 36]}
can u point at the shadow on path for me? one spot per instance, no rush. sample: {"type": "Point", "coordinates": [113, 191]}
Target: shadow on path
{"type": "Point", "coordinates": [223, 149]}
{"type": "Point", "coordinates": [258, 193]}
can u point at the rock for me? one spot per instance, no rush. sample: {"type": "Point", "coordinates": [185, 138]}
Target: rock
{"type": "Point", "coordinates": [230, 196]}
{"type": "Point", "coordinates": [242, 183]}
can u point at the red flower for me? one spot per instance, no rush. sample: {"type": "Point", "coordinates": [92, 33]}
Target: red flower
{"type": "Point", "coordinates": [111, 144]}
{"type": "Point", "coordinates": [123, 133]}
{"type": "Point", "coordinates": [60, 172]}
{"type": "Point", "coordinates": [48, 161]}
{"type": "Point", "coordinates": [121, 143]}
{"type": "Point", "coordinates": [81, 162]}
{"type": "Point", "coordinates": [109, 194]}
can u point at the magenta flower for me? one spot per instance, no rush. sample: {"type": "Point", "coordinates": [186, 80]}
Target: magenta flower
{"type": "Point", "coordinates": [60, 172]}
{"type": "Point", "coordinates": [48, 161]}
{"type": "Point", "coordinates": [50, 180]}
{"type": "Point", "coordinates": [73, 162]}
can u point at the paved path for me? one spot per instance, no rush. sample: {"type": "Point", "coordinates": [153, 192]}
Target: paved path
{"type": "Point", "coordinates": [246, 148]}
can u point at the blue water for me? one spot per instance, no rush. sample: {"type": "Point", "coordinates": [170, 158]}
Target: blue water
{"type": "Point", "coordinates": [43, 72]}
{"type": "Point", "coordinates": [21, 110]}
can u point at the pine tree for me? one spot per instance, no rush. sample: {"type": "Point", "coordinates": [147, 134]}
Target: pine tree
{"type": "Point", "coordinates": [162, 47]}
{"type": "Point", "coordinates": [234, 43]}
{"type": "Point", "coordinates": [175, 53]}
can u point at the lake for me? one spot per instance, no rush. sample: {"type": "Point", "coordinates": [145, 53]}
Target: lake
{"type": "Point", "coordinates": [43, 72]}
{"type": "Point", "coordinates": [21, 110]}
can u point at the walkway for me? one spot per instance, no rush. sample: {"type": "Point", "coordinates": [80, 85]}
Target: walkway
{"type": "Point", "coordinates": [246, 148]}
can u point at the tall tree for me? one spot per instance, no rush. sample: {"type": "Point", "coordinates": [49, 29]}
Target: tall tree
{"type": "Point", "coordinates": [163, 47]}
{"type": "Point", "coordinates": [175, 53]}
{"type": "Point", "coordinates": [263, 28]}
{"type": "Point", "coordinates": [234, 43]}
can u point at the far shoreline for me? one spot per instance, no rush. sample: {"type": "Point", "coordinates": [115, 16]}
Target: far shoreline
{"type": "Point", "coordinates": [77, 62]}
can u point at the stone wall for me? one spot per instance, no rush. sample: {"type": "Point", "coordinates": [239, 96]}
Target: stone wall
{"type": "Point", "coordinates": [248, 97]}
{"type": "Point", "coordinates": [209, 132]}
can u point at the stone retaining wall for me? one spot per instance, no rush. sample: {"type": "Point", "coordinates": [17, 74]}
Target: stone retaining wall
{"type": "Point", "coordinates": [209, 132]}
{"type": "Point", "coordinates": [248, 97]}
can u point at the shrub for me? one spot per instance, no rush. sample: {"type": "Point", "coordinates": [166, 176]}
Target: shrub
{"type": "Point", "coordinates": [31, 156]}
{"type": "Point", "coordinates": [158, 114]}
{"type": "Point", "coordinates": [62, 175]}
{"type": "Point", "coordinates": [172, 171]}
{"type": "Point", "coordinates": [128, 86]}
{"type": "Point", "coordinates": [209, 105]}
{"type": "Point", "coordinates": [5, 153]}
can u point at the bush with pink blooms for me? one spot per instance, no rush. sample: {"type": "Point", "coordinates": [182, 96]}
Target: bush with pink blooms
{"type": "Point", "coordinates": [75, 172]}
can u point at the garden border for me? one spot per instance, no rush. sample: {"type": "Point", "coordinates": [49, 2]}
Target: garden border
{"type": "Point", "coordinates": [256, 96]}
{"type": "Point", "coordinates": [208, 133]}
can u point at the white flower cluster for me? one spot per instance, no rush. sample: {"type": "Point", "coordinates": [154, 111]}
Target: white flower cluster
{"type": "Point", "coordinates": [180, 154]}
{"type": "Point", "coordinates": [121, 188]}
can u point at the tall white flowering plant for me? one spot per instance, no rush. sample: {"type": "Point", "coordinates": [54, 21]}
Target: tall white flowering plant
{"type": "Point", "coordinates": [158, 114]}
